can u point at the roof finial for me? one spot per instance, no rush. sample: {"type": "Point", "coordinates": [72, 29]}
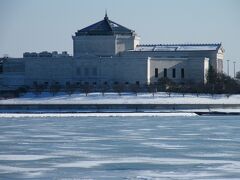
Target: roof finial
{"type": "Point", "coordinates": [106, 16]}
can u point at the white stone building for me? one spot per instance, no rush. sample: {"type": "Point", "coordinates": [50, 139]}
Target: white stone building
{"type": "Point", "coordinates": [108, 53]}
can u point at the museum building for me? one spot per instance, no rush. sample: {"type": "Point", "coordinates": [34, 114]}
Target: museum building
{"type": "Point", "coordinates": [109, 53]}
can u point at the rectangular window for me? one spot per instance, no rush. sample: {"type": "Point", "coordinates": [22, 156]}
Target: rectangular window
{"type": "Point", "coordinates": [67, 83]}
{"type": "Point", "coordinates": [156, 72]}
{"type": "Point", "coordinates": [1, 68]}
{"type": "Point", "coordinates": [94, 71]}
{"type": "Point", "coordinates": [79, 71]}
{"type": "Point", "coordinates": [137, 83]}
{"type": "Point", "coordinates": [182, 73]}
{"type": "Point", "coordinates": [174, 73]}
{"type": "Point", "coordinates": [165, 73]}
{"type": "Point", "coordinates": [86, 72]}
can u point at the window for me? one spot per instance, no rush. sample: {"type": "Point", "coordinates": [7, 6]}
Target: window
{"type": "Point", "coordinates": [86, 71]}
{"type": "Point", "coordinates": [174, 73]}
{"type": "Point", "coordinates": [79, 71]}
{"type": "Point", "coordinates": [94, 71]}
{"type": "Point", "coordinates": [115, 82]}
{"type": "Point", "coordinates": [105, 83]}
{"type": "Point", "coordinates": [67, 83]}
{"type": "Point", "coordinates": [126, 83]}
{"type": "Point", "coordinates": [94, 83]}
{"type": "Point", "coordinates": [137, 83]}
{"type": "Point", "coordinates": [165, 73]}
{"type": "Point", "coordinates": [182, 73]}
{"type": "Point", "coordinates": [156, 72]}
{"type": "Point", "coordinates": [220, 64]}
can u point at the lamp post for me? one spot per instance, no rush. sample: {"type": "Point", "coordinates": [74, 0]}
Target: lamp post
{"type": "Point", "coordinates": [228, 67]}
{"type": "Point", "coordinates": [234, 72]}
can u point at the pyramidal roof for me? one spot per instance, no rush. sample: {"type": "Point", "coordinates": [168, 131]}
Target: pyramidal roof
{"type": "Point", "coordinates": [104, 27]}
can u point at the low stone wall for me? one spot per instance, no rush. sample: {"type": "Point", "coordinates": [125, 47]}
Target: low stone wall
{"type": "Point", "coordinates": [111, 107]}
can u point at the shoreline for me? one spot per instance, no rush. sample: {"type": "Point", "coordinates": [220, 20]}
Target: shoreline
{"type": "Point", "coordinates": [121, 109]}
{"type": "Point", "coordinates": [113, 114]}
{"type": "Point", "coordinates": [94, 114]}
{"type": "Point", "coordinates": [127, 103]}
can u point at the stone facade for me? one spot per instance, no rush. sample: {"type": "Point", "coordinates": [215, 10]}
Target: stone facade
{"type": "Point", "coordinates": [107, 52]}
{"type": "Point", "coordinates": [103, 45]}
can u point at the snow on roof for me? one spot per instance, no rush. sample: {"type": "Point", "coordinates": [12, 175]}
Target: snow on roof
{"type": "Point", "coordinates": [178, 47]}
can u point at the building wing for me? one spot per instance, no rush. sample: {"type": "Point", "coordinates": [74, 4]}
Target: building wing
{"type": "Point", "coordinates": [179, 47]}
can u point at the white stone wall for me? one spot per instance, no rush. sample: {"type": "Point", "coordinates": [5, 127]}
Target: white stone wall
{"type": "Point", "coordinates": [215, 57]}
{"type": "Point", "coordinates": [220, 57]}
{"type": "Point", "coordinates": [49, 70]}
{"type": "Point", "coordinates": [98, 70]}
{"type": "Point", "coordinates": [111, 70]}
{"type": "Point", "coordinates": [96, 45]}
{"type": "Point", "coordinates": [125, 43]}
{"type": "Point", "coordinates": [108, 45]}
{"type": "Point", "coordinates": [125, 70]}
{"type": "Point", "coordinates": [194, 69]}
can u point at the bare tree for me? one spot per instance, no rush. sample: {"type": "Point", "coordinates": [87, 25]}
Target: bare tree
{"type": "Point", "coordinates": [168, 92]}
{"type": "Point", "coordinates": [38, 89]}
{"type": "Point", "coordinates": [135, 88]}
{"type": "Point", "coordinates": [104, 88]}
{"type": "Point", "coordinates": [183, 89]}
{"type": "Point", "coordinates": [54, 88]}
{"type": "Point", "coordinates": [87, 88]}
{"type": "Point", "coordinates": [228, 95]}
{"type": "Point", "coordinates": [238, 75]}
{"type": "Point", "coordinates": [119, 88]}
{"type": "Point", "coordinates": [70, 89]}
{"type": "Point", "coordinates": [165, 83]}
{"type": "Point", "coordinates": [152, 88]}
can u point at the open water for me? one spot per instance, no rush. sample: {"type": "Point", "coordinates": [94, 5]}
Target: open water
{"type": "Point", "coordinates": [120, 148]}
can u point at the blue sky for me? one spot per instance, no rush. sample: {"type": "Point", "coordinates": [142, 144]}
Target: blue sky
{"type": "Point", "coordinates": [31, 25]}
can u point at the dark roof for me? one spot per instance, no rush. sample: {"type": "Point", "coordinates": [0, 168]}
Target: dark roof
{"type": "Point", "coordinates": [104, 27]}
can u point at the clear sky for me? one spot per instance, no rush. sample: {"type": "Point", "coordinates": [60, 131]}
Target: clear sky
{"type": "Point", "coordinates": [38, 25]}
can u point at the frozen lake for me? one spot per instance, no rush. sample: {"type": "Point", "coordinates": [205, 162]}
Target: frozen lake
{"type": "Point", "coordinates": [195, 147]}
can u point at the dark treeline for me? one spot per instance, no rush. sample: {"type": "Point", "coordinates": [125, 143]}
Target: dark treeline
{"type": "Point", "coordinates": [217, 83]}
